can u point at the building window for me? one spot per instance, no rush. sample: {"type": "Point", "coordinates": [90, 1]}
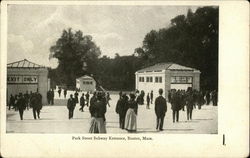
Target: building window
{"type": "Point", "coordinates": [147, 79]}
{"type": "Point", "coordinates": [151, 79]}
{"type": "Point", "coordinates": [87, 82]}
{"type": "Point", "coordinates": [158, 79]}
{"type": "Point", "coordinates": [141, 79]}
{"type": "Point", "coordinates": [181, 79]}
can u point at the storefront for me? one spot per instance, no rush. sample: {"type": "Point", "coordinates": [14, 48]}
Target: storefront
{"type": "Point", "coordinates": [25, 76]}
{"type": "Point", "coordinates": [167, 76]}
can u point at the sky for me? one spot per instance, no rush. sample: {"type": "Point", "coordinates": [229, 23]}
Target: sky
{"type": "Point", "coordinates": [33, 29]}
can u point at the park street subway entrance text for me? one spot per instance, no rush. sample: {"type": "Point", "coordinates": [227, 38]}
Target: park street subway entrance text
{"type": "Point", "coordinates": [106, 138]}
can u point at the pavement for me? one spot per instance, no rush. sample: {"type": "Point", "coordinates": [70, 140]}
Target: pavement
{"type": "Point", "coordinates": [54, 119]}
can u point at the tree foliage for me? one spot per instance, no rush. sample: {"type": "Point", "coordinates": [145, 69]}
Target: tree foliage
{"type": "Point", "coordinates": [72, 49]}
{"type": "Point", "coordinates": [190, 40]}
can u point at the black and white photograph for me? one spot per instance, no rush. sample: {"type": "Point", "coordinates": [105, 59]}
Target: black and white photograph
{"type": "Point", "coordinates": [132, 70]}
{"type": "Point", "coordinates": [112, 69]}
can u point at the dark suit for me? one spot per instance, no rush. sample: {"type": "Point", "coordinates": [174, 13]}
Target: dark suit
{"type": "Point", "coordinates": [160, 110]}
{"type": "Point", "coordinates": [82, 103]}
{"type": "Point", "coordinates": [36, 103]}
{"type": "Point", "coordinates": [121, 109]}
{"type": "Point", "coordinates": [71, 107]}
{"type": "Point", "coordinates": [190, 104]}
{"type": "Point", "coordinates": [176, 102]}
{"type": "Point", "coordinates": [21, 106]}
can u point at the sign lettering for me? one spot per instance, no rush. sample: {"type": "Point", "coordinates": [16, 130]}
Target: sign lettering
{"type": "Point", "coordinates": [22, 79]}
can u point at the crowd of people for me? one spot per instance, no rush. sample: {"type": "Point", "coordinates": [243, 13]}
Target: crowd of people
{"type": "Point", "coordinates": [126, 106]}
{"type": "Point", "coordinates": [26, 101]}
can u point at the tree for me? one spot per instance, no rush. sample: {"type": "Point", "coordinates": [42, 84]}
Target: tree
{"type": "Point", "coordinates": [77, 55]}
{"type": "Point", "coordinates": [190, 40]}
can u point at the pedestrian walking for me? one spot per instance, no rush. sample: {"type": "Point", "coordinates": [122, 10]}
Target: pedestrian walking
{"type": "Point", "coordinates": [12, 101]}
{"type": "Point", "coordinates": [160, 110]}
{"type": "Point", "coordinates": [200, 100]}
{"type": "Point", "coordinates": [176, 105]}
{"type": "Point", "coordinates": [207, 98]}
{"type": "Point", "coordinates": [82, 102]}
{"type": "Point", "coordinates": [214, 98]}
{"type": "Point", "coordinates": [151, 97]}
{"type": "Point", "coordinates": [52, 93]}
{"type": "Point", "coordinates": [169, 96]}
{"type": "Point", "coordinates": [59, 92]}
{"type": "Point", "coordinates": [71, 104]}
{"type": "Point", "coordinates": [148, 101]}
{"type": "Point", "coordinates": [130, 119]}
{"type": "Point", "coordinates": [49, 97]}
{"type": "Point", "coordinates": [15, 103]}
{"type": "Point", "coordinates": [121, 109]}
{"type": "Point", "coordinates": [97, 110]}
{"type": "Point", "coordinates": [21, 105]}
{"type": "Point", "coordinates": [26, 98]}
{"type": "Point", "coordinates": [87, 98]}
{"type": "Point", "coordinates": [65, 93]}
{"type": "Point", "coordinates": [189, 104]}
{"type": "Point", "coordinates": [108, 98]}
{"type": "Point", "coordinates": [36, 104]}
{"type": "Point", "coordinates": [76, 97]}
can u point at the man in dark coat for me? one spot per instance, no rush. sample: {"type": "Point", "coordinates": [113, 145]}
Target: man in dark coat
{"type": "Point", "coordinates": [214, 97]}
{"type": "Point", "coordinates": [49, 97]}
{"type": "Point", "coordinates": [148, 101]}
{"type": "Point", "coordinates": [121, 109]}
{"type": "Point", "coordinates": [92, 102]}
{"type": "Point", "coordinates": [36, 104]}
{"type": "Point", "coordinates": [12, 101]}
{"type": "Point", "coordinates": [21, 105]}
{"type": "Point", "coordinates": [82, 102]}
{"type": "Point", "coordinates": [207, 98]}
{"type": "Point", "coordinates": [71, 104]}
{"type": "Point", "coordinates": [160, 110]}
{"type": "Point", "coordinates": [76, 97]}
{"type": "Point", "coordinates": [87, 98]}
{"type": "Point", "coordinates": [52, 96]}
{"type": "Point", "coordinates": [190, 104]}
{"type": "Point", "coordinates": [176, 102]}
{"type": "Point", "coordinates": [59, 92]}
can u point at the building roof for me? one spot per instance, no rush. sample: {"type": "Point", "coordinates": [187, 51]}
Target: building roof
{"type": "Point", "coordinates": [85, 77]}
{"type": "Point", "coordinates": [24, 64]}
{"type": "Point", "coordinates": [165, 66]}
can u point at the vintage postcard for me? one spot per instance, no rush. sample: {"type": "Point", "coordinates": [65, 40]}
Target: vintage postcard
{"type": "Point", "coordinates": [124, 78]}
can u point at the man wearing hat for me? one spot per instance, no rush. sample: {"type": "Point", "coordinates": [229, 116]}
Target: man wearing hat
{"type": "Point", "coordinates": [71, 106]}
{"type": "Point", "coordinates": [160, 110]}
{"type": "Point", "coordinates": [21, 105]}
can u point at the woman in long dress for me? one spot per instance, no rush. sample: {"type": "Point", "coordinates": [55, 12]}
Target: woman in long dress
{"type": "Point", "coordinates": [130, 120]}
{"type": "Point", "coordinates": [97, 110]}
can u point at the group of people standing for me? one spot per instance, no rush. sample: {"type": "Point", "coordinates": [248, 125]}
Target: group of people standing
{"type": "Point", "coordinates": [180, 99]}
{"type": "Point", "coordinates": [25, 101]}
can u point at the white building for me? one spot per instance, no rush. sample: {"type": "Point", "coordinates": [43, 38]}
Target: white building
{"type": "Point", "coordinates": [166, 76]}
{"type": "Point", "coordinates": [86, 83]}
{"type": "Point", "coordinates": [25, 76]}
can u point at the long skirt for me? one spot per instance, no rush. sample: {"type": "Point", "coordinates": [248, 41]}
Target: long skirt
{"type": "Point", "coordinates": [97, 125]}
{"type": "Point", "coordinates": [130, 120]}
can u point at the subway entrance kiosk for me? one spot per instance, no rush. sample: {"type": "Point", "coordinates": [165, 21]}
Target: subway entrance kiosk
{"type": "Point", "coordinates": [25, 76]}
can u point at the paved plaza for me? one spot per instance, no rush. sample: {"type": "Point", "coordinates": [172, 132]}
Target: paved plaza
{"type": "Point", "coordinates": [54, 119]}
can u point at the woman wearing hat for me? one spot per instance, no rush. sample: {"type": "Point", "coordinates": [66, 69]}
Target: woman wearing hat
{"type": "Point", "coordinates": [130, 120]}
{"type": "Point", "coordinates": [97, 110]}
